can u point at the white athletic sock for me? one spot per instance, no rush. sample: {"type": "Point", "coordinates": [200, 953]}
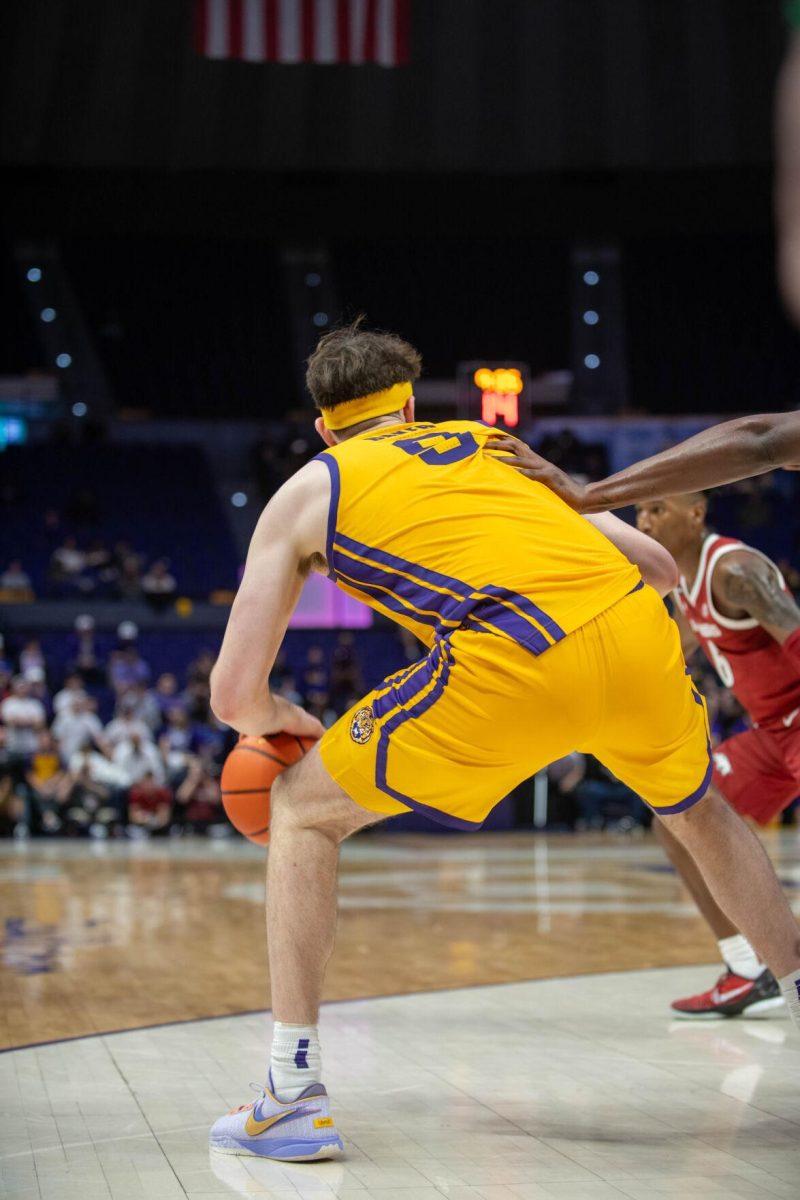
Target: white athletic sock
{"type": "Point", "coordinates": [295, 1059]}
{"type": "Point", "coordinates": [790, 986]}
{"type": "Point", "coordinates": [740, 956]}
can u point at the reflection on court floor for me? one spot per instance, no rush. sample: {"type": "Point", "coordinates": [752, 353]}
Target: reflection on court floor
{"type": "Point", "coordinates": [100, 937]}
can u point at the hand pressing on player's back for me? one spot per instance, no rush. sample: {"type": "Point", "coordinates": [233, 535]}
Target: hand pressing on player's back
{"type": "Point", "coordinates": [516, 454]}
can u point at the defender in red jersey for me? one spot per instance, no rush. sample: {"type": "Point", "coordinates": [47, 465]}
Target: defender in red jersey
{"type": "Point", "coordinates": [733, 603]}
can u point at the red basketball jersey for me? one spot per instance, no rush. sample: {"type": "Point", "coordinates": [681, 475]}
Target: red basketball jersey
{"type": "Point", "coordinates": [748, 661]}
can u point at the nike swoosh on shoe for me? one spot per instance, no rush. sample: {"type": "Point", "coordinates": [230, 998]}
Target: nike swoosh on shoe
{"type": "Point", "coordinates": [724, 997]}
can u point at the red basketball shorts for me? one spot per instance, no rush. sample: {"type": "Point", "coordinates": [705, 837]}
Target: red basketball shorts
{"type": "Point", "coordinates": [758, 772]}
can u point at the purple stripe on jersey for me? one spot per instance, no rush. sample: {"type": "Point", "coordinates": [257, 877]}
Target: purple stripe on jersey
{"type": "Point", "coordinates": [511, 623]}
{"type": "Point", "coordinates": [527, 606]}
{"type": "Point", "coordinates": [459, 586]}
{"type": "Point", "coordinates": [448, 607]}
{"type": "Point", "coordinates": [455, 611]}
{"type": "Point", "coordinates": [402, 564]}
{"type": "Point", "coordinates": [333, 508]}
{"type": "Point", "coordinates": [695, 796]}
{"type": "Point", "coordinates": [388, 599]}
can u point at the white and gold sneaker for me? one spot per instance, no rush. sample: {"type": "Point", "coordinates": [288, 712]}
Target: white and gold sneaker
{"type": "Point", "coordinates": [300, 1130]}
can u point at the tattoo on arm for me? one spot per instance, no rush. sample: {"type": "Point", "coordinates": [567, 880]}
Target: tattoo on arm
{"type": "Point", "coordinates": [749, 583]}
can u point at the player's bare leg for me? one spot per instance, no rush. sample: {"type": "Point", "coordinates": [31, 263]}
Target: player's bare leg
{"type": "Point", "coordinates": [746, 987]}
{"type": "Point", "coordinates": [310, 817]}
{"type": "Point", "coordinates": [686, 867]}
{"type": "Point", "coordinates": [742, 881]}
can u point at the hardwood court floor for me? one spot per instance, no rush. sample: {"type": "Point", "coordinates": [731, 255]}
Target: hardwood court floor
{"type": "Point", "coordinates": [561, 1089]}
{"type": "Point", "coordinates": [100, 937]}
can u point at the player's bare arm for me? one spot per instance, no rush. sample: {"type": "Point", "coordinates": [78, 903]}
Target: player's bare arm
{"type": "Point", "coordinates": [287, 544]}
{"type": "Point", "coordinates": [745, 585]}
{"type": "Point", "coordinates": [722, 454]}
{"type": "Point", "coordinates": [657, 565]}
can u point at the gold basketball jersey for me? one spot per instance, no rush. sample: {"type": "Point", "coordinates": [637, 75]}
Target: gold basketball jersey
{"type": "Point", "coordinates": [427, 527]}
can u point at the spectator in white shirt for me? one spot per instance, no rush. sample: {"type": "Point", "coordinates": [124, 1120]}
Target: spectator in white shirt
{"type": "Point", "coordinates": [138, 758]}
{"type": "Point", "coordinates": [141, 703]}
{"type": "Point", "coordinates": [24, 717]}
{"type": "Point", "coordinates": [126, 725]}
{"type": "Point", "coordinates": [31, 659]}
{"type": "Point", "coordinates": [72, 690]}
{"type": "Point", "coordinates": [36, 678]}
{"type": "Point", "coordinates": [77, 725]}
{"type": "Point", "coordinates": [68, 560]}
{"type": "Point", "coordinates": [96, 797]}
{"type": "Point", "coordinates": [158, 586]}
{"type": "Point", "coordinates": [89, 765]}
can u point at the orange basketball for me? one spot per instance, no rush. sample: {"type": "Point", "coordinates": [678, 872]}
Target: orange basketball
{"type": "Point", "coordinates": [247, 777]}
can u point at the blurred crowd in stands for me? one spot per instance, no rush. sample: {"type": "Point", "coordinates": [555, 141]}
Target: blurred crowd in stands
{"type": "Point", "coordinates": [106, 521]}
{"type": "Point", "coordinates": [151, 762]}
{"type": "Point", "coordinates": [83, 567]}
{"type": "Point", "coordinates": [110, 573]}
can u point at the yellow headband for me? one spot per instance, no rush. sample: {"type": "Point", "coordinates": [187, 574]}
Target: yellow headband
{"type": "Point", "coordinates": [377, 404]}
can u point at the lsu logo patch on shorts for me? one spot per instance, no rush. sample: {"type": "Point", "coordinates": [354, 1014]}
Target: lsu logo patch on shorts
{"type": "Point", "coordinates": [362, 725]}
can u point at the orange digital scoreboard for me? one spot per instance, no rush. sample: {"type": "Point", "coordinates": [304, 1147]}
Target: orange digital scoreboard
{"type": "Point", "coordinates": [494, 392]}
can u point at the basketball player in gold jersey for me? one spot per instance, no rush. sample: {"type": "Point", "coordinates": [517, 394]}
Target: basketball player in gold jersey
{"type": "Point", "coordinates": [542, 638]}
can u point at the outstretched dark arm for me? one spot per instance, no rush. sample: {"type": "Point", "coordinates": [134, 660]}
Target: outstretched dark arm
{"type": "Point", "coordinates": [726, 452]}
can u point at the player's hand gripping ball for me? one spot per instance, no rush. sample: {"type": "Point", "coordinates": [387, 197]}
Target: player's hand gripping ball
{"type": "Point", "coordinates": [249, 772]}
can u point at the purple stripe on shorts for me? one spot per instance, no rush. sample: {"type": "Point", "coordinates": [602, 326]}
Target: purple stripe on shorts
{"type": "Point", "coordinates": [394, 723]}
{"type": "Point", "coordinates": [697, 795]}
{"type": "Point", "coordinates": [409, 688]}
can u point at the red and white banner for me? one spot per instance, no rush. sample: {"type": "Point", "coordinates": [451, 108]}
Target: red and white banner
{"type": "Point", "coordinates": [305, 31]}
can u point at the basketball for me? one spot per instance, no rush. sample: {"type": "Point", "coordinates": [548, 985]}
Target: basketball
{"type": "Point", "coordinates": [247, 777]}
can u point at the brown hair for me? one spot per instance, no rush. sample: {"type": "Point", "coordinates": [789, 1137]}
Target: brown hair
{"type": "Point", "coordinates": [352, 362]}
